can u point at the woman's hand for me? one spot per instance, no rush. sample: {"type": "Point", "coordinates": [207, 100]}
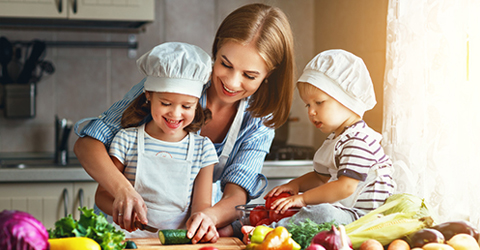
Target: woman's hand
{"type": "Point", "coordinates": [128, 206]}
{"type": "Point", "coordinates": [201, 228]}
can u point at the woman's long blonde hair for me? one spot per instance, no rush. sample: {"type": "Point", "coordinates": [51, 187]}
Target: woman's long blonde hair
{"type": "Point", "coordinates": [269, 28]}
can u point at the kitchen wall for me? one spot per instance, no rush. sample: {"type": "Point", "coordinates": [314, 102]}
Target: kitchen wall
{"type": "Point", "coordinates": [88, 80]}
{"type": "Point", "coordinates": [358, 26]}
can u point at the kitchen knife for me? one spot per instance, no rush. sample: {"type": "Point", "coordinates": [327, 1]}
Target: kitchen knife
{"type": "Point", "coordinates": [145, 227]}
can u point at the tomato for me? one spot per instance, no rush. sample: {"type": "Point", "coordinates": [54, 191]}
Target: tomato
{"type": "Point", "coordinates": [276, 217]}
{"type": "Point", "coordinates": [257, 214]}
{"type": "Point", "coordinates": [264, 221]}
{"type": "Point", "coordinates": [208, 248]}
{"type": "Point", "coordinates": [270, 200]}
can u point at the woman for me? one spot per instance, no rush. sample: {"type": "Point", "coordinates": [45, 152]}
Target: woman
{"type": "Point", "coordinates": [250, 94]}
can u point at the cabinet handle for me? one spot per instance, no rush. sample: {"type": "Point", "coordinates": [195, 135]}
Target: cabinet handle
{"type": "Point", "coordinates": [80, 196]}
{"type": "Point", "coordinates": [65, 201]}
{"type": "Point", "coordinates": [74, 6]}
{"type": "Point", "coordinates": [59, 6]}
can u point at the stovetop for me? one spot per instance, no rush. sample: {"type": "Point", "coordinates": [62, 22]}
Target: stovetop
{"type": "Point", "coordinates": [290, 152]}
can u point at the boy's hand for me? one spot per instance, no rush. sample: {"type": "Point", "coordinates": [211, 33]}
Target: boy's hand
{"type": "Point", "coordinates": [285, 188]}
{"type": "Point", "coordinates": [281, 205]}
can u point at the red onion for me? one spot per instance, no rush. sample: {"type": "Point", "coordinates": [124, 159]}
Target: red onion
{"type": "Point", "coordinates": [332, 240]}
{"type": "Point", "coordinates": [315, 247]}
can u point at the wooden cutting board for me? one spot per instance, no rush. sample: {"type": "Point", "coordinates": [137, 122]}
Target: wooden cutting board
{"type": "Point", "coordinates": [224, 243]}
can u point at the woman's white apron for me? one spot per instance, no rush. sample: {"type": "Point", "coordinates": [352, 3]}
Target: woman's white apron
{"type": "Point", "coordinates": [227, 150]}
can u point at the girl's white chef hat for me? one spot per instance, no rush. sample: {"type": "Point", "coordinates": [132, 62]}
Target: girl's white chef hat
{"type": "Point", "coordinates": [343, 76]}
{"type": "Point", "coordinates": [176, 68]}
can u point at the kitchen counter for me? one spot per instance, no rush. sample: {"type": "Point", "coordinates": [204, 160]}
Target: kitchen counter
{"type": "Point", "coordinates": [39, 167]}
{"type": "Point", "coordinates": [224, 243]}
{"type": "Point", "coordinates": [44, 174]}
{"type": "Point", "coordinates": [287, 168]}
{"type": "Point", "coordinates": [75, 172]}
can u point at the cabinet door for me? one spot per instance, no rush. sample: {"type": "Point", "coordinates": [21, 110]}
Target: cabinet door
{"type": "Point", "coordinates": [83, 196]}
{"type": "Point", "coordinates": [34, 9]}
{"type": "Point", "coordinates": [47, 202]}
{"type": "Point", "coordinates": [115, 10]}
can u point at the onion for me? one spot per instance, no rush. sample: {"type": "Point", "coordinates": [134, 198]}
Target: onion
{"type": "Point", "coordinates": [332, 240]}
{"type": "Point", "coordinates": [315, 247]}
{"type": "Point", "coordinates": [21, 231]}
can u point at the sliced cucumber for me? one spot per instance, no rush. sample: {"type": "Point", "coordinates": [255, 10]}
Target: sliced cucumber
{"type": "Point", "coordinates": [173, 236]}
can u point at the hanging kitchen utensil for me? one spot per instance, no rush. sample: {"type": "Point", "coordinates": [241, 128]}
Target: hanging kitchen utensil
{"type": "Point", "coordinates": [6, 53]}
{"type": "Point", "coordinates": [38, 48]}
{"type": "Point", "coordinates": [15, 66]}
{"type": "Point", "coordinates": [45, 66]}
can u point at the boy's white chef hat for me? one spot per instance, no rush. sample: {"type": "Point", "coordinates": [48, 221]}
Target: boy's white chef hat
{"type": "Point", "coordinates": [176, 68]}
{"type": "Point", "coordinates": [343, 76]}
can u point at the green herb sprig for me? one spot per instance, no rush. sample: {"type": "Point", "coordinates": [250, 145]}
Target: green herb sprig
{"type": "Point", "coordinates": [303, 232]}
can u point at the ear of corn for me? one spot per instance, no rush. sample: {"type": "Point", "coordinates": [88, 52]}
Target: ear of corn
{"type": "Point", "coordinates": [395, 219]}
{"type": "Point", "coordinates": [408, 203]}
{"type": "Point", "coordinates": [387, 232]}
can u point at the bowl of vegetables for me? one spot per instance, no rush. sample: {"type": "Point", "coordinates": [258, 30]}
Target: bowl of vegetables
{"type": "Point", "coordinates": [258, 214]}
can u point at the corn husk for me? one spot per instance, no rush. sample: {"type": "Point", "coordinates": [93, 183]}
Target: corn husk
{"type": "Point", "coordinates": [401, 215]}
{"type": "Point", "coordinates": [408, 203]}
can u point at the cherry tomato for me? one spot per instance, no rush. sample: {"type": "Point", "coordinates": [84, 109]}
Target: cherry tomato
{"type": "Point", "coordinates": [257, 214]}
{"type": "Point", "coordinates": [270, 200]}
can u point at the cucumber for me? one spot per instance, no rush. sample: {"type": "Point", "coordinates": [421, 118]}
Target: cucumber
{"type": "Point", "coordinates": [130, 245]}
{"type": "Point", "coordinates": [173, 236]}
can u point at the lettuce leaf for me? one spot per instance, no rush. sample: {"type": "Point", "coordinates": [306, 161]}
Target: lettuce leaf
{"type": "Point", "coordinates": [89, 225]}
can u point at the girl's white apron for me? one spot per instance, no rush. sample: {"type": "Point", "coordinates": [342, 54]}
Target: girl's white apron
{"type": "Point", "coordinates": [163, 183]}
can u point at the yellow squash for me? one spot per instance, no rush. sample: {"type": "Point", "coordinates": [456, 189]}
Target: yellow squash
{"type": "Point", "coordinates": [73, 243]}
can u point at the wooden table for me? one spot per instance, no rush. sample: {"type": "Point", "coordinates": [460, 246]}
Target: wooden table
{"type": "Point", "coordinates": [224, 243]}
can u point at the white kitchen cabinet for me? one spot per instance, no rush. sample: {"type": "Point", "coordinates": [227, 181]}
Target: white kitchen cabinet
{"type": "Point", "coordinates": [112, 10]}
{"type": "Point", "coordinates": [46, 201]}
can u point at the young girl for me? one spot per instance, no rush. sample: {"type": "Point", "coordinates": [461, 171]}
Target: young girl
{"type": "Point", "coordinates": [170, 166]}
{"type": "Point", "coordinates": [352, 175]}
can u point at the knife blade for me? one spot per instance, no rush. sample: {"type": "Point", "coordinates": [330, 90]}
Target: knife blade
{"type": "Point", "coordinates": [146, 227]}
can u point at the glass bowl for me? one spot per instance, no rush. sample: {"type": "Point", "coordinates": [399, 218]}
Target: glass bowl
{"type": "Point", "coordinates": [257, 214]}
